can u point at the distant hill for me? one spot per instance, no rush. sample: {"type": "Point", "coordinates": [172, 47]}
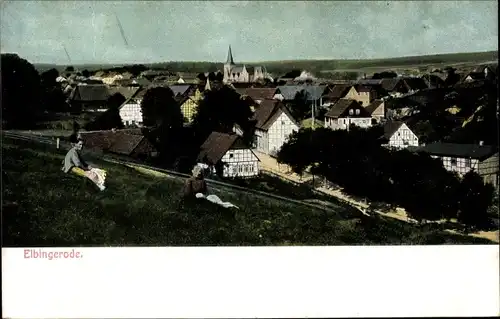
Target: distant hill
{"type": "Point", "coordinates": [334, 65]}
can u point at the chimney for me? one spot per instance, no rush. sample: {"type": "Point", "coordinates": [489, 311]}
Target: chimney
{"type": "Point", "coordinates": [481, 143]}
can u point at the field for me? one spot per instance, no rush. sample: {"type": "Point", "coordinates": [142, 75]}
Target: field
{"type": "Point", "coordinates": [44, 207]}
{"type": "Point", "coordinates": [317, 66]}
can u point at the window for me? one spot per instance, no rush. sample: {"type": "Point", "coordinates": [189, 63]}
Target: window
{"type": "Point", "coordinates": [357, 111]}
{"type": "Point", "coordinates": [453, 161]}
{"type": "Point", "coordinates": [282, 122]}
{"type": "Point", "coordinates": [351, 112]}
{"type": "Point", "coordinates": [240, 168]}
{"type": "Point", "coordinates": [467, 162]}
{"type": "Point", "coordinates": [231, 155]}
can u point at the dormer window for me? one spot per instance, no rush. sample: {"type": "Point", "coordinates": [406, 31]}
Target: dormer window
{"type": "Point", "coordinates": [357, 111]}
{"type": "Point", "coordinates": [351, 112]}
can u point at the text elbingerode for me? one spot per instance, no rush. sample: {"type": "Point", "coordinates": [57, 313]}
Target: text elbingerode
{"type": "Point", "coordinates": [50, 255]}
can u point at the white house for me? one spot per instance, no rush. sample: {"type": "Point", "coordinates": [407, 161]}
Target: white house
{"type": "Point", "coordinates": [462, 158]}
{"type": "Point", "coordinates": [229, 155]}
{"type": "Point", "coordinates": [347, 112]}
{"type": "Point", "coordinates": [130, 111]}
{"type": "Point", "coordinates": [273, 126]}
{"type": "Point", "coordinates": [399, 135]}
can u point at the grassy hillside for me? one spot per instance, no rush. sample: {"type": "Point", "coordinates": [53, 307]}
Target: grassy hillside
{"type": "Point", "coordinates": [55, 209]}
{"type": "Point", "coordinates": [280, 67]}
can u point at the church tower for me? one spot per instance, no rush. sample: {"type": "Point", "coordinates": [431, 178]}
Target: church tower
{"type": "Point", "coordinates": [228, 65]}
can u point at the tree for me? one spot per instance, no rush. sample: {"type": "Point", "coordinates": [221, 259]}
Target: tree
{"type": "Point", "coordinates": [20, 92]}
{"type": "Point", "coordinates": [69, 69]}
{"type": "Point", "coordinates": [452, 78]}
{"type": "Point", "coordinates": [136, 69]}
{"type": "Point", "coordinates": [85, 73]}
{"type": "Point", "coordinates": [159, 107]}
{"type": "Point", "coordinates": [212, 76]}
{"type": "Point", "coordinates": [111, 118]}
{"type": "Point", "coordinates": [201, 76]}
{"type": "Point", "coordinates": [474, 198]}
{"type": "Point", "coordinates": [48, 78]}
{"type": "Point", "coordinates": [385, 75]}
{"type": "Point", "coordinates": [54, 100]}
{"type": "Point", "coordinates": [300, 107]}
{"type": "Point", "coordinates": [292, 74]}
{"type": "Point", "coordinates": [219, 77]}
{"type": "Point", "coordinates": [115, 100]}
{"type": "Point", "coordinates": [297, 152]}
{"type": "Point", "coordinates": [219, 111]}
{"type": "Point", "coordinates": [162, 113]}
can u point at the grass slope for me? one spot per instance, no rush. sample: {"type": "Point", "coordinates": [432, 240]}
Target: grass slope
{"type": "Point", "coordinates": [55, 209]}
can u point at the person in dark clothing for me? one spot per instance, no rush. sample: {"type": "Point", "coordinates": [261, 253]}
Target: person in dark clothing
{"type": "Point", "coordinates": [195, 184]}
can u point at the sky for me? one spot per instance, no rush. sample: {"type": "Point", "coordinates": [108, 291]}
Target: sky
{"type": "Point", "coordinates": [159, 31]}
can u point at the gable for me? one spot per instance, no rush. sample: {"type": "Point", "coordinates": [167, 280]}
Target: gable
{"type": "Point", "coordinates": [400, 131]}
{"type": "Point", "coordinates": [352, 91]}
{"type": "Point", "coordinates": [280, 117]}
{"type": "Point", "coordinates": [356, 108]}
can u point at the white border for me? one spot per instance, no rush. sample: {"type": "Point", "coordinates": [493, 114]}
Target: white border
{"type": "Point", "coordinates": [244, 282]}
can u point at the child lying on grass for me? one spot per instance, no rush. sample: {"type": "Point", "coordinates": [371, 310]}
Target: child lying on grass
{"type": "Point", "coordinates": [73, 162]}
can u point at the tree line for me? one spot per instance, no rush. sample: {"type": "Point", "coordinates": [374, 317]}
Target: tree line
{"type": "Point", "coordinates": [356, 161]}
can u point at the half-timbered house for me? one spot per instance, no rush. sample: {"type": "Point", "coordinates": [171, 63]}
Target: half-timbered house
{"type": "Point", "coordinates": [229, 155]}
{"type": "Point", "coordinates": [130, 111]}
{"type": "Point", "coordinates": [273, 125]}
{"type": "Point", "coordinates": [398, 135]}
{"type": "Point", "coordinates": [462, 158]}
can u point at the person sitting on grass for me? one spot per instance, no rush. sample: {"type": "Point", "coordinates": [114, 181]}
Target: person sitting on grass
{"type": "Point", "coordinates": [195, 184]}
{"type": "Point", "coordinates": [73, 162]}
{"type": "Point", "coordinates": [196, 187]}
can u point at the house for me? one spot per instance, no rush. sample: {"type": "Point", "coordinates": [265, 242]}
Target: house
{"type": "Point", "coordinates": [377, 110]}
{"type": "Point", "coordinates": [414, 84]}
{"type": "Point", "coordinates": [142, 81]}
{"type": "Point", "coordinates": [90, 97]}
{"type": "Point", "coordinates": [229, 154]}
{"type": "Point", "coordinates": [362, 93]}
{"type": "Point", "coordinates": [273, 126]}
{"type": "Point", "coordinates": [314, 93]}
{"type": "Point", "coordinates": [241, 73]}
{"type": "Point", "coordinates": [483, 72]}
{"type": "Point", "coordinates": [402, 85]}
{"type": "Point", "coordinates": [130, 111]}
{"type": "Point", "coordinates": [473, 76]}
{"type": "Point", "coordinates": [126, 91]}
{"type": "Point", "coordinates": [120, 142]}
{"type": "Point", "coordinates": [462, 158]}
{"type": "Point", "coordinates": [335, 93]}
{"type": "Point", "coordinates": [190, 100]}
{"type": "Point", "coordinates": [433, 81]}
{"type": "Point", "coordinates": [258, 94]}
{"type": "Point", "coordinates": [347, 112]}
{"type": "Point", "coordinates": [398, 135]}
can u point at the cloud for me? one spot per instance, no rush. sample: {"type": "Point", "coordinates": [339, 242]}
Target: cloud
{"type": "Point", "coordinates": [257, 30]}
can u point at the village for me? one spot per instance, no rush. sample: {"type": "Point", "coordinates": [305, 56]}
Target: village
{"type": "Point", "coordinates": [367, 102]}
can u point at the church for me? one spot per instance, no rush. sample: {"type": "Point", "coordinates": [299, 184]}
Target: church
{"type": "Point", "coordinates": [234, 73]}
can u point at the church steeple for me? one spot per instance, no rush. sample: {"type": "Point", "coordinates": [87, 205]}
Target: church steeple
{"type": "Point", "coordinates": [230, 57]}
